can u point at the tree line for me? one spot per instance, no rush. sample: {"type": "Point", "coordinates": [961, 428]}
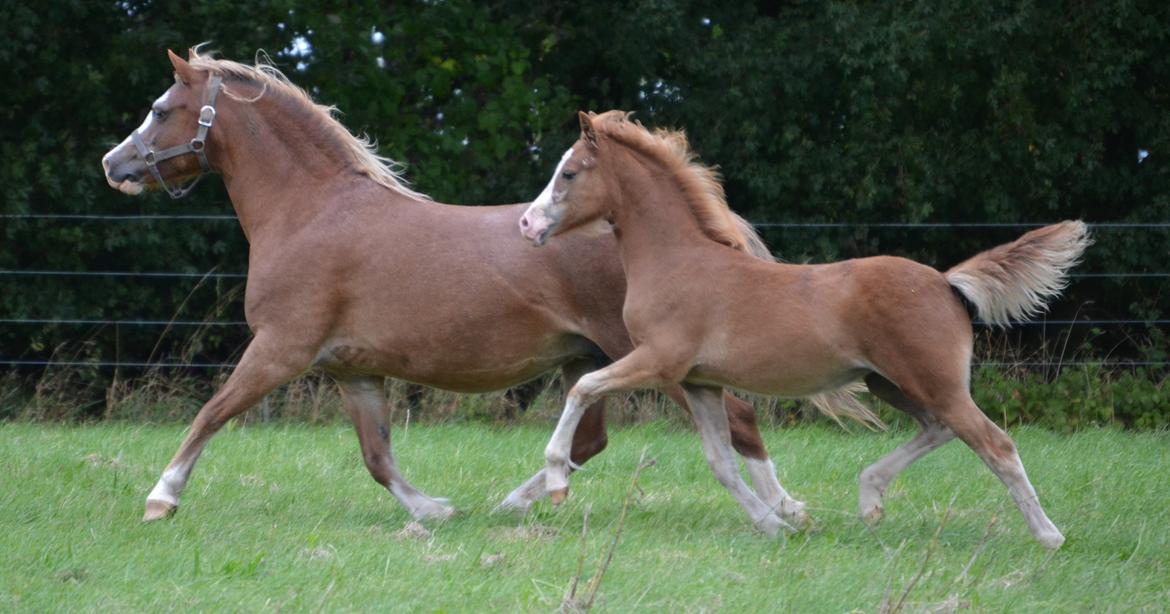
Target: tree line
{"type": "Point", "coordinates": [840, 113]}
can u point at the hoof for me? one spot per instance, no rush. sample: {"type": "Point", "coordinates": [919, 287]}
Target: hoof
{"type": "Point", "coordinates": [435, 509]}
{"type": "Point", "coordinates": [793, 513]}
{"type": "Point", "coordinates": [771, 525]}
{"type": "Point", "coordinates": [1052, 541]}
{"type": "Point", "coordinates": [802, 520]}
{"type": "Point", "coordinates": [514, 504]}
{"type": "Point", "coordinates": [157, 510]}
{"type": "Point", "coordinates": [558, 496]}
{"type": "Point", "coordinates": [873, 516]}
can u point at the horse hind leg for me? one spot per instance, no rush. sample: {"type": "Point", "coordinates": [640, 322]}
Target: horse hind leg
{"type": "Point", "coordinates": [365, 402]}
{"type": "Point", "coordinates": [999, 453]}
{"type": "Point", "coordinates": [589, 439]}
{"type": "Point", "coordinates": [877, 477]}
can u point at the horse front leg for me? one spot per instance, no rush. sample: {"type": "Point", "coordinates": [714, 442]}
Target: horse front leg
{"type": "Point", "coordinates": [265, 365]}
{"type": "Point", "coordinates": [589, 439]}
{"type": "Point", "coordinates": [365, 402]}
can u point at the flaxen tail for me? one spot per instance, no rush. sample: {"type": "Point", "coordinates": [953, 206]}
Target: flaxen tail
{"type": "Point", "coordinates": [1014, 281]}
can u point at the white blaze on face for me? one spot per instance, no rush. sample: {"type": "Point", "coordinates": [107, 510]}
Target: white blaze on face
{"type": "Point", "coordinates": [131, 187]}
{"type": "Point", "coordinates": [538, 219]}
{"type": "Point", "coordinates": [550, 196]}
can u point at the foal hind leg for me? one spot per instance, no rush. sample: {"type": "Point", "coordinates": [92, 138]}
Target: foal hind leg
{"type": "Point", "coordinates": [999, 453]}
{"type": "Point", "coordinates": [711, 419]}
{"type": "Point", "coordinates": [365, 402]}
{"type": "Point", "coordinates": [589, 439]}
{"type": "Point", "coordinates": [877, 477]}
{"type": "Point", "coordinates": [264, 366]}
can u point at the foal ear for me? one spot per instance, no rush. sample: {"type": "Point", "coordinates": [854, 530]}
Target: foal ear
{"type": "Point", "coordinates": [183, 70]}
{"type": "Point", "coordinates": [587, 131]}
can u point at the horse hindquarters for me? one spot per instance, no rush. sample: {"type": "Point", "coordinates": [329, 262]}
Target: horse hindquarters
{"type": "Point", "coordinates": [924, 351]}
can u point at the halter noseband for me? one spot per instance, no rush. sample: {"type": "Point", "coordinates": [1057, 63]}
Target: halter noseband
{"type": "Point", "coordinates": [196, 146]}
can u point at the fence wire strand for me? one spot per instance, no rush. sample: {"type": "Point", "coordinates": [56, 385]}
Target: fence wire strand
{"type": "Point", "coordinates": [203, 217]}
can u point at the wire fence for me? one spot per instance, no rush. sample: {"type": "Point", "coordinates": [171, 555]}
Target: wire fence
{"type": "Point", "coordinates": [201, 217]}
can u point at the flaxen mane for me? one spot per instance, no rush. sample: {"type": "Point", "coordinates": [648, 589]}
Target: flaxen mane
{"type": "Point", "coordinates": [360, 149]}
{"type": "Point", "coordinates": [701, 185]}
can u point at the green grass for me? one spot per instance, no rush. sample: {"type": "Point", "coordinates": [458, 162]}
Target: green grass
{"type": "Point", "coordinates": [286, 518]}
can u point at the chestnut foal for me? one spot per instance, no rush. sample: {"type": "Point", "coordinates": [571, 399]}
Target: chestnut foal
{"type": "Point", "coordinates": [352, 272]}
{"type": "Point", "coordinates": [706, 317]}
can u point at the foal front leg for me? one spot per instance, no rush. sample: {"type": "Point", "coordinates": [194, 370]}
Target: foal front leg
{"type": "Point", "coordinates": [365, 402]}
{"type": "Point", "coordinates": [638, 369]}
{"type": "Point", "coordinates": [265, 365]}
{"type": "Point", "coordinates": [711, 419]}
{"type": "Point", "coordinates": [745, 438]}
{"type": "Point", "coordinates": [589, 440]}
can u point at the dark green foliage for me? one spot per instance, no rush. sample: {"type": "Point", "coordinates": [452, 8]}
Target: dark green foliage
{"type": "Point", "coordinates": [1075, 398]}
{"type": "Point", "coordinates": [815, 112]}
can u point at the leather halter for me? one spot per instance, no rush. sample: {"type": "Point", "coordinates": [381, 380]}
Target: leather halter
{"type": "Point", "coordinates": [195, 146]}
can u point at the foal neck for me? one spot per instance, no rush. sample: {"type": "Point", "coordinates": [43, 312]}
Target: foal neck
{"type": "Point", "coordinates": [651, 214]}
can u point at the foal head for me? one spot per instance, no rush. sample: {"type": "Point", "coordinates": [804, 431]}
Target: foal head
{"type": "Point", "coordinates": [168, 149]}
{"type": "Point", "coordinates": [576, 181]}
{"type": "Point", "coordinates": [592, 178]}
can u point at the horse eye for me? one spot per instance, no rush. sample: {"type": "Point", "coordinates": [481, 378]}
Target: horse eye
{"type": "Point", "coordinates": [160, 114]}
{"type": "Point", "coordinates": [568, 175]}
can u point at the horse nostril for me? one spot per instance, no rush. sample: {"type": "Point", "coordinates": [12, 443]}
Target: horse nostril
{"type": "Point", "coordinates": [124, 176]}
{"type": "Point", "coordinates": [524, 223]}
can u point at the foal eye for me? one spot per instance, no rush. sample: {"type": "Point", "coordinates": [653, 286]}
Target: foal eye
{"type": "Point", "coordinates": [568, 175]}
{"type": "Point", "coordinates": [160, 114]}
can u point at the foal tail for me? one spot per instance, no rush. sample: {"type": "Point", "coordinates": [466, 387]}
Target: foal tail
{"type": "Point", "coordinates": [1013, 282]}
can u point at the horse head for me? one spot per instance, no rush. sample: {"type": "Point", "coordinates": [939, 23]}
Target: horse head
{"type": "Point", "coordinates": [168, 151]}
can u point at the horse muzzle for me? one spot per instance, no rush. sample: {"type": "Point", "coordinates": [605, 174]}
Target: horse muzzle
{"type": "Point", "coordinates": [535, 227]}
{"type": "Point", "coordinates": [124, 175]}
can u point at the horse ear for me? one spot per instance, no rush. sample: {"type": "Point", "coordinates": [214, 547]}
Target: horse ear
{"type": "Point", "coordinates": [183, 70]}
{"type": "Point", "coordinates": [587, 131]}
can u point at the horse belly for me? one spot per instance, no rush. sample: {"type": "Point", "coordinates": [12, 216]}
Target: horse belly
{"type": "Point", "coordinates": [782, 367]}
{"type": "Point", "coordinates": [464, 364]}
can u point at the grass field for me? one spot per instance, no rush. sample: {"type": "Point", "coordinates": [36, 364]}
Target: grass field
{"type": "Point", "coordinates": [286, 518]}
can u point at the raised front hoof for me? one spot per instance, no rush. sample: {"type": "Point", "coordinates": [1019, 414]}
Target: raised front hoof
{"type": "Point", "coordinates": [157, 510]}
{"type": "Point", "coordinates": [559, 495]}
{"type": "Point", "coordinates": [514, 504]}
{"type": "Point", "coordinates": [873, 516]}
{"type": "Point", "coordinates": [1051, 540]}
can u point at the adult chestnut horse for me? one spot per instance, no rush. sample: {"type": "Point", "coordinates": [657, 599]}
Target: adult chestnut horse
{"type": "Point", "coordinates": [352, 272]}
{"type": "Point", "coordinates": [704, 316]}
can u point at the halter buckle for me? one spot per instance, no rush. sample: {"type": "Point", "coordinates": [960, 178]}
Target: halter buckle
{"type": "Point", "coordinates": [206, 115]}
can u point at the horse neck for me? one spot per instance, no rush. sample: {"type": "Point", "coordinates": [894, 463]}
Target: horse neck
{"type": "Point", "coordinates": [274, 167]}
{"type": "Point", "coordinates": [651, 216]}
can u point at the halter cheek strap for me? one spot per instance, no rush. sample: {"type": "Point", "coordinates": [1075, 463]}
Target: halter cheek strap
{"type": "Point", "coordinates": [195, 146]}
